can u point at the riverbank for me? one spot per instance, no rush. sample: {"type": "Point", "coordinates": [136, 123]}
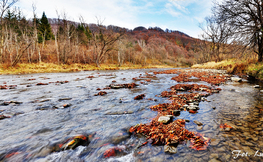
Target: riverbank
{"type": "Point", "coordinates": [55, 68]}
{"type": "Point", "coordinates": [239, 67]}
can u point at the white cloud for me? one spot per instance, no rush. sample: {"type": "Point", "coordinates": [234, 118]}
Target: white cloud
{"type": "Point", "coordinates": [171, 11]}
{"type": "Point", "coordinates": [116, 12]}
{"type": "Point", "coordinates": [173, 14]}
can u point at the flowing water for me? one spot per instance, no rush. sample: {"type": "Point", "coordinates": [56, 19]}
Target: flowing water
{"type": "Point", "coordinates": [43, 115]}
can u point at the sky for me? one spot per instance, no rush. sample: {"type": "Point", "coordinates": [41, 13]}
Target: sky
{"type": "Point", "coordinates": [181, 15]}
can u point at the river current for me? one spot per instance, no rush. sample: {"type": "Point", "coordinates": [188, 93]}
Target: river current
{"type": "Point", "coordinates": [45, 109]}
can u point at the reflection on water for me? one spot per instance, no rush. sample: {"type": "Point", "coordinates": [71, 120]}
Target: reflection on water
{"type": "Point", "coordinates": [44, 115]}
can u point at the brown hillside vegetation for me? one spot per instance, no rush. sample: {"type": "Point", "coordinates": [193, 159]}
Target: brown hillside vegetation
{"type": "Point", "coordinates": [63, 42]}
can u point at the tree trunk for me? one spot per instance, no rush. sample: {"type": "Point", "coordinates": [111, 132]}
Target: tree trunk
{"type": "Point", "coordinates": [260, 51]}
{"type": "Point", "coordinates": [260, 59]}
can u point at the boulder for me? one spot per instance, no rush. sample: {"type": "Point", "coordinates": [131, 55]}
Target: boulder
{"type": "Point", "coordinates": [236, 79]}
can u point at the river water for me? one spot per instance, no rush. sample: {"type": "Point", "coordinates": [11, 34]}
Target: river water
{"type": "Point", "coordinates": [44, 115]}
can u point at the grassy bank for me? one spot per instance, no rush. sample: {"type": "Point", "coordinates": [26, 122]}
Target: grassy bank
{"type": "Point", "coordinates": [233, 66]}
{"type": "Point", "coordinates": [54, 68]}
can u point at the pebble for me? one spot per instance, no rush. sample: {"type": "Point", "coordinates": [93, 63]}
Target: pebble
{"type": "Point", "coordinates": [198, 123]}
{"type": "Point", "coordinates": [62, 99]}
{"type": "Point", "coordinates": [170, 149]}
{"type": "Point", "coordinates": [214, 142]}
{"type": "Point", "coordinates": [214, 160]}
{"type": "Point", "coordinates": [236, 79]}
{"type": "Point", "coordinates": [164, 119]}
{"type": "Point", "coordinates": [256, 86]}
{"type": "Point", "coordinates": [213, 156]}
{"type": "Point", "coordinates": [199, 127]}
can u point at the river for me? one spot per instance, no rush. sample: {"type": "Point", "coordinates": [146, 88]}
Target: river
{"type": "Point", "coordinates": [43, 110]}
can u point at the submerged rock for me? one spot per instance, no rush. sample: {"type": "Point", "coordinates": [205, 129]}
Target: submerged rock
{"type": "Point", "coordinates": [139, 97]}
{"type": "Point", "coordinates": [170, 149]}
{"type": "Point", "coordinates": [71, 143]}
{"type": "Point", "coordinates": [3, 117]}
{"type": "Point", "coordinates": [198, 123]}
{"type": "Point", "coordinates": [62, 99]}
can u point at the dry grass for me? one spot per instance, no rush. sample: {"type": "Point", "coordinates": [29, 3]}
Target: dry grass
{"type": "Point", "coordinates": [54, 68]}
{"type": "Point", "coordinates": [249, 66]}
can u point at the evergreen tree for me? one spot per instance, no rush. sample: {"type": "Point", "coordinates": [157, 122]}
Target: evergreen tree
{"type": "Point", "coordinates": [44, 29]}
{"type": "Point", "coordinates": [84, 34]}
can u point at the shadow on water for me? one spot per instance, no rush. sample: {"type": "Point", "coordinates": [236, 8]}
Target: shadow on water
{"type": "Point", "coordinates": [42, 116]}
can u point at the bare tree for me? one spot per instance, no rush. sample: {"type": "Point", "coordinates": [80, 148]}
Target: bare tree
{"type": "Point", "coordinates": [217, 35]}
{"type": "Point", "coordinates": [4, 6]}
{"type": "Point", "coordinates": [103, 41]}
{"type": "Point", "coordinates": [245, 17]}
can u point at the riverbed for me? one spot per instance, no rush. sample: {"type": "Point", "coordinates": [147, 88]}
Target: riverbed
{"type": "Point", "coordinates": [42, 110]}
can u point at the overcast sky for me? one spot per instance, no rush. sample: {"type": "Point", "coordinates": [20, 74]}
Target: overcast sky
{"type": "Point", "coordinates": [182, 15]}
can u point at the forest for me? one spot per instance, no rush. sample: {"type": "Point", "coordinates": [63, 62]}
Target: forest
{"type": "Point", "coordinates": [61, 41]}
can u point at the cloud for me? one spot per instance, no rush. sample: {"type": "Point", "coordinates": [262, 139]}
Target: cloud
{"type": "Point", "coordinates": [116, 12]}
{"type": "Point", "coordinates": [171, 11]}
{"type": "Point", "coordinates": [173, 14]}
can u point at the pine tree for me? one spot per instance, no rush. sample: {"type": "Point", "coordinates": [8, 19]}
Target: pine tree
{"type": "Point", "coordinates": [44, 29]}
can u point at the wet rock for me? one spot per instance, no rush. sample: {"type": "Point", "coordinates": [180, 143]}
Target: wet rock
{"type": "Point", "coordinates": [164, 119]}
{"type": "Point", "coordinates": [249, 150]}
{"type": "Point", "coordinates": [63, 99]}
{"type": "Point", "coordinates": [206, 127]}
{"type": "Point", "coordinates": [67, 105]}
{"type": "Point", "coordinates": [227, 129]}
{"type": "Point", "coordinates": [119, 113]}
{"type": "Point", "coordinates": [139, 97]}
{"type": "Point", "coordinates": [215, 91]}
{"type": "Point", "coordinates": [236, 79]}
{"type": "Point", "coordinates": [214, 160]}
{"type": "Point", "coordinates": [118, 86]}
{"type": "Point", "coordinates": [170, 149]}
{"type": "Point", "coordinates": [258, 129]}
{"type": "Point", "coordinates": [8, 86]}
{"type": "Point", "coordinates": [199, 127]}
{"type": "Point", "coordinates": [198, 123]}
{"type": "Point", "coordinates": [4, 117]}
{"type": "Point", "coordinates": [45, 100]}
{"type": "Point", "coordinates": [193, 107]}
{"type": "Point", "coordinates": [39, 84]}
{"type": "Point", "coordinates": [246, 143]}
{"type": "Point", "coordinates": [43, 108]}
{"type": "Point", "coordinates": [10, 102]}
{"type": "Point", "coordinates": [101, 93]}
{"type": "Point", "coordinates": [186, 120]}
{"type": "Point", "coordinates": [115, 151]}
{"type": "Point", "coordinates": [119, 137]}
{"type": "Point", "coordinates": [176, 112]}
{"type": "Point", "coordinates": [72, 143]}
{"type": "Point", "coordinates": [213, 156]}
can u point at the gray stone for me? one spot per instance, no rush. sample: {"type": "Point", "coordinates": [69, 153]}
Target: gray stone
{"type": "Point", "coordinates": [164, 119]}
{"type": "Point", "coordinates": [236, 79]}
